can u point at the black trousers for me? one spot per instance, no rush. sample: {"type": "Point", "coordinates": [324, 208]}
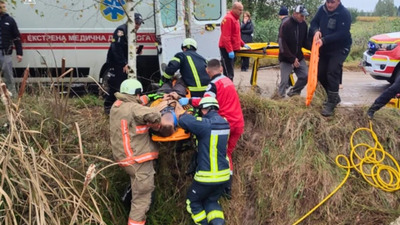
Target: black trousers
{"type": "Point", "coordinates": [330, 68]}
{"type": "Point", "coordinates": [388, 93]}
{"type": "Point", "coordinates": [245, 63]}
{"type": "Point", "coordinates": [114, 83]}
{"type": "Point", "coordinates": [227, 63]}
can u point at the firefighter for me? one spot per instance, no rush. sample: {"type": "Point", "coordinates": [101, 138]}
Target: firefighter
{"type": "Point", "coordinates": [212, 172]}
{"type": "Point", "coordinates": [222, 88]}
{"type": "Point", "coordinates": [117, 58]}
{"type": "Point", "coordinates": [192, 67]}
{"type": "Point", "coordinates": [132, 147]}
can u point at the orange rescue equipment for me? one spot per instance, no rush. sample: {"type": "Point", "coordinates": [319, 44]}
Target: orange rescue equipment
{"type": "Point", "coordinates": [312, 71]}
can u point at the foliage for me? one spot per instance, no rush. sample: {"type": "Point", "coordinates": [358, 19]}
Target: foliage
{"type": "Point", "coordinates": [266, 30]}
{"type": "Point", "coordinates": [354, 13]}
{"type": "Point", "coordinates": [385, 8]}
{"type": "Point", "coordinates": [266, 9]}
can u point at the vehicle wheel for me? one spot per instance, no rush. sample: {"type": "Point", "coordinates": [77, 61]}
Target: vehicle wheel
{"type": "Point", "coordinates": [104, 82]}
{"type": "Point", "coordinates": [394, 76]}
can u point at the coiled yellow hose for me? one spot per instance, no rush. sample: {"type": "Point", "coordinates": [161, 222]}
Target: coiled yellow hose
{"type": "Point", "coordinates": [369, 162]}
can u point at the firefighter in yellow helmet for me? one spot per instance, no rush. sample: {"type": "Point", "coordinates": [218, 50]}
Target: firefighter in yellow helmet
{"type": "Point", "coordinates": [132, 146]}
{"type": "Point", "coordinates": [212, 172]}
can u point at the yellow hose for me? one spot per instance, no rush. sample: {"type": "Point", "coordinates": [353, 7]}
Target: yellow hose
{"type": "Point", "coordinates": [372, 160]}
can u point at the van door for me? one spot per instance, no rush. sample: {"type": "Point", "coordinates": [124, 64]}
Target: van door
{"type": "Point", "coordinates": [205, 25]}
{"type": "Point", "coordinates": [205, 19]}
{"type": "Point", "coordinates": [170, 28]}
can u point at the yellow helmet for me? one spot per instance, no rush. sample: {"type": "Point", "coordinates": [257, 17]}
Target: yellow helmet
{"type": "Point", "coordinates": [189, 42]}
{"type": "Point", "coordinates": [131, 86]}
{"type": "Point", "coordinates": [207, 102]}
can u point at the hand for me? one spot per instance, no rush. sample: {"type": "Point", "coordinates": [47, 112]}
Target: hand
{"type": "Point", "coordinates": [247, 47]}
{"type": "Point", "coordinates": [183, 101]}
{"type": "Point", "coordinates": [19, 58]}
{"type": "Point", "coordinates": [231, 55]}
{"type": "Point", "coordinates": [296, 63]}
{"type": "Point", "coordinates": [126, 68]}
{"type": "Point", "coordinates": [318, 35]}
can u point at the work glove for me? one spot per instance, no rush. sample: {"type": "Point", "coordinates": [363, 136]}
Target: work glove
{"type": "Point", "coordinates": [247, 47]}
{"type": "Point", "coordinates": [183, 101]}
{"type": "Point", "coordinates": [231, 55]}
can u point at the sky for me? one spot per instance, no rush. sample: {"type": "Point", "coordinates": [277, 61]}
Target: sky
{"type": "Point", "coordinates": [365, 5]}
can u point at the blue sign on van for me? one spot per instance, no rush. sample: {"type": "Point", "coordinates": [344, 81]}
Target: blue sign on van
{"type": "Point", "coordinates": [113, 10]}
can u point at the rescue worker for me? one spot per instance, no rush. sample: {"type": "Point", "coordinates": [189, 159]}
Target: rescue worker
{"type": "Point", "coordinates": [192, 67]}
{"type": "Point", "coordinates": [212, 172]}
{"type": "Point", "coordinates": [132, 147]}
{"type": "Point", "coordinates": [230, 40]}
{"type": "Point", "coordinates": [223, 89]}
{"type": "Point", "coordinates": [331, 24]}
{"type": "Point", "coordinates": [384, 98]}
{"type": "Point", "coordinates": [117, 58]}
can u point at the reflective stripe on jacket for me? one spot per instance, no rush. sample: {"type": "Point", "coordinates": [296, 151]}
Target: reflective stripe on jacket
{"type": "Point", "coordinates": [192, 67]}
{"type": "Point", "coordinates": [212, 132]}
{"type": "Point", "coordinates": [130, 140]}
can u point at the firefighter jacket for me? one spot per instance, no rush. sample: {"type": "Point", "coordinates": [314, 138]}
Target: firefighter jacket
{"type": "Point", "coordinates": [212, 133]}
{"type": "Point", "coordinates": [10, 35]}
{"type": "Point", "coordinates": [192, 67]}
{"type": "Point", "coordinates": [223, 89]}
{"type": "Point", "coordinates": [293, 37]}
{"type": "Point", "coordinates": [230, 33]}
{"type": "Point", "coordinates": [130, 139]}
{"type": "Point", "coordinates": [118, 52]}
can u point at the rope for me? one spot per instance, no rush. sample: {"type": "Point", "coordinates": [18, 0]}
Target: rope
{"type": "Point", "coordinates": [369, 161]}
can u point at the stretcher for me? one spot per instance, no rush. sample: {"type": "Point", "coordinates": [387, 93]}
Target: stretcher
{"type": "Point", "coordinates": [394, 102]}
{"type": "Point", "coordinates": [268, 50]}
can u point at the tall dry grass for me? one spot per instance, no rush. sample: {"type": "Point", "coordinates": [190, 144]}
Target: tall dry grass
{"type": "Point", "coordinates": [48, 175]}
{"type": "Point", "coordinates": [284, 166]}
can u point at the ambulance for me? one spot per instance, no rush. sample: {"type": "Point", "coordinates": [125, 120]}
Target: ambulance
{"type": "Point", "coordinates": [77, 34]}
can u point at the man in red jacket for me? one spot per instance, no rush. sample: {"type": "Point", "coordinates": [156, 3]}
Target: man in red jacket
{"type": "Point", "coordinates": [230, 40]}
{"type": "Point", "coordinates": [223, 89]}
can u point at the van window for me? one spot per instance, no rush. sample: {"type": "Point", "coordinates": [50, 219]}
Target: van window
{"type": "Point", "coordinates": [207, 9]}
{"type": "Point", "coordinates": [168, 13]}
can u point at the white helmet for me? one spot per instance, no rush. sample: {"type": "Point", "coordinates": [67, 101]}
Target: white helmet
{"type": "Point", "coordinates": [189, 42]}
{"type": "Point", "coordinates": [131, 86]}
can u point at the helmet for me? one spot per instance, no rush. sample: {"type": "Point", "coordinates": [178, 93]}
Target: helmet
{"type": "Point", "coordinates": [189, 42]}
{"type": "Point", "coordinates": [131, 86]}
{"type": "Point", "coordinates": [208, 102]}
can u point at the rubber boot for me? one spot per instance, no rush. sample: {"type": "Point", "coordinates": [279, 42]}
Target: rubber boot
{"type": "Point", "coordinates": [217, 221]}
{"type": "Point", "coordinates": [371, 111]}
{"type": "Point", "coordinates": [329, 107]}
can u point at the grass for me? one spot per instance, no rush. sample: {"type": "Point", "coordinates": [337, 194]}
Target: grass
{"type": "Point", "coordinates": [284, 166]}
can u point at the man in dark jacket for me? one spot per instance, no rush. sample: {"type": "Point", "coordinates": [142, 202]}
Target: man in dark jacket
{"type": "Point", "coordinates": [212, 172]}
{"type": "Point", "coordinates": [331, 24]}
{"type": "Point", "coordinates": [192, 67]}
{"type": "Point", "coordinates": [10, 37]}
{"type": "Point", "coordinates": [117, 58]}
{"type": "Point", "coordinates": [292, 38]}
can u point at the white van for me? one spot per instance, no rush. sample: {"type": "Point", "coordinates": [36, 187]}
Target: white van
{"type": "Point", "coordinates": [80, 31]}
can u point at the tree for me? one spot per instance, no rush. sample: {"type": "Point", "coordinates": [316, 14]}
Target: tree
{"type": "Point", "coordinates": [385, 8]}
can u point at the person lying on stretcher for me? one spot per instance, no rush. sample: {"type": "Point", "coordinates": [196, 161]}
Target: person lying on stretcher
{"type": "Point", "coordinates": [170, 108]}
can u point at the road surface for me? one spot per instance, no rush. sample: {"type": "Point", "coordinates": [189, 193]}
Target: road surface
{"type": "Point", "coordinates": [358, 88]}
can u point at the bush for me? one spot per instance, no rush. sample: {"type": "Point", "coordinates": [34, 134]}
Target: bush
{"type": "Point", "coordinates": [266, 30]}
